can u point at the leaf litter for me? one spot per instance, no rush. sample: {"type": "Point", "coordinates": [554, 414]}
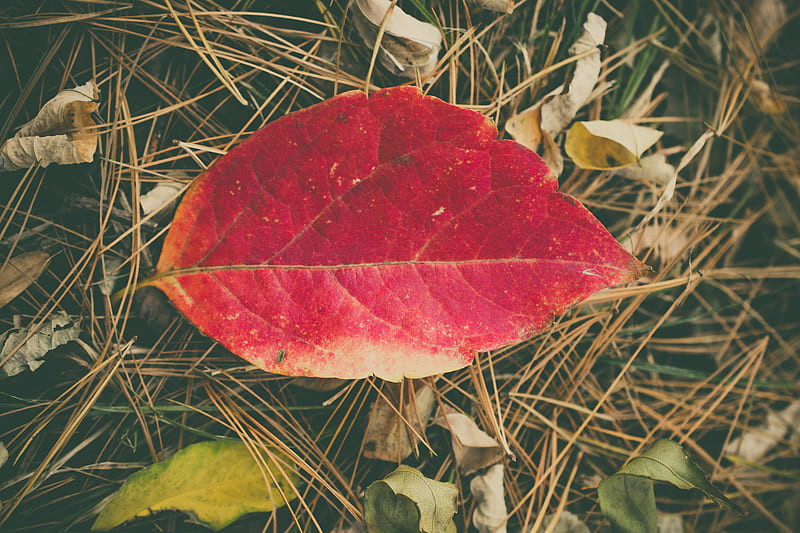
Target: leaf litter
{"type": "Point", "coordinates": [24, 348]}
{"type": "Point", "coordinates": [598, 387]}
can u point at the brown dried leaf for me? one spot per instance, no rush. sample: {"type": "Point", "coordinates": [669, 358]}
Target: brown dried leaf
{"type": "Point", "coordinates": [62, 132]}
{"type": "Point", "coordinates": [60, 115]}
{"type": "Point", "coordinates": [388, 436]}
{"type": "Point", "coordinates": [19, 272]}
{"type": "Point", "coordinates": [23, 152]}
{"type": "Point", "coordinates": [473, 448]}
{"type": "Point", "coordinates": [22, 348]}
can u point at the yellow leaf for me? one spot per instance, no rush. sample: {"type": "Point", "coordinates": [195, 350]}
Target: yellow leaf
{"type": "Point", "coordinates": [607, 144]}
{"type": "Point", "coordinates": [216, 481]}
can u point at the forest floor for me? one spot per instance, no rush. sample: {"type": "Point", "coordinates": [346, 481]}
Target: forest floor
{"type": "Point", "coordinates": [702, 350]}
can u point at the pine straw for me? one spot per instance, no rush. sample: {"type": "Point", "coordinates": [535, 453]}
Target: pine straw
{"type": "Point", "coordinates": [698, 352]}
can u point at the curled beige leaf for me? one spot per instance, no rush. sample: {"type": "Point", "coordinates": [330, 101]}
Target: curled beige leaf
{"type": "Point", "coordinates": [62, 132]}
{"type": "Point", "coordinates": [779, 426]}
{"type": "Point", "coordinates": [473, 448]}
{"type": "Point", "coordinates": [23, 152]}
{"type": "Point", "coordinates": [163, 196]}
{"type": "Point", "coordinates": [653, 168]}
{"type": "Point", "coordinates": [61, 113]}
{"type": "Point", "coordinates": [766, 18]}
{"type": "Point", "coordinates": [665, 240]}
{"type": "Point", "coordinates": [25, 347]}
{"type": "Point", "coordinates": [490, 513]}
{"type": "Point", "coordinates": [407, 46]}
{"type": "Point", "coordinates": [561, 108]}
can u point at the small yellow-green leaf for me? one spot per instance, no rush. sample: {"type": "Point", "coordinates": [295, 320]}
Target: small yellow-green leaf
{"type": "Point", "coordinates": [406, 501]}
{"type": "Point", "coordinates": [216, 481]}
{"type": "Point", "coordinates": [607, 144]}
{"type": "Point", "coordinates": [625, 498]}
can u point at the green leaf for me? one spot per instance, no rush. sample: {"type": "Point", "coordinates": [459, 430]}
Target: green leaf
{"type": "Point", "coordinates": [629, 503]}
{"type": "Point", "coordinates": [405, 501]}
{"type": "Point", "coordinates": [216, 481]}
{"type": "Point", "coordinates": [627, 499]}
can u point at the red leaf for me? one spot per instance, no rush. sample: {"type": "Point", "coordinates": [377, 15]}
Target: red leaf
{"type": "Point", "coordinates": [391, 235]}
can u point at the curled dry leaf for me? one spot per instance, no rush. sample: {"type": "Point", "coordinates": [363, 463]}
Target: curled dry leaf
{"type": "Point", "coordinates": [407, 47]}
{"type": "Point", "coordinates": [389, 435]}
{"type": "Point", "coordinates": [653, 168]}
{"type": "Point", "coordinates": [766, 100]}
{"type": "Point", "coordinates": [754, 444]}
{"type": "Point", "coordinates": [666, 241]}
{"type": "Point", "coordinates": [390, 235]}
{"type": "Point", "coordinates": [490, 513]}
{"type": "Point", "coordinates": [19, 272]}
{"type": "Point", "coordinates": [608, 144]}
{"type": "Point", "coordinates": [62, 132]}
{"type": "Point", "coordinates": [473, 448]}
{"type": "Point", "coordinates": [163, 196]}
{"type": "Point", "coordinates": [766, 17]}
{"type": "Point", "coordinates": [542, 122]}
{"type": "Point", "coordinates": [562, 107]}
{"type": "Point", "coordinates": [21, 347]}
{"type": "Point", "coordinates": [526, 129]}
